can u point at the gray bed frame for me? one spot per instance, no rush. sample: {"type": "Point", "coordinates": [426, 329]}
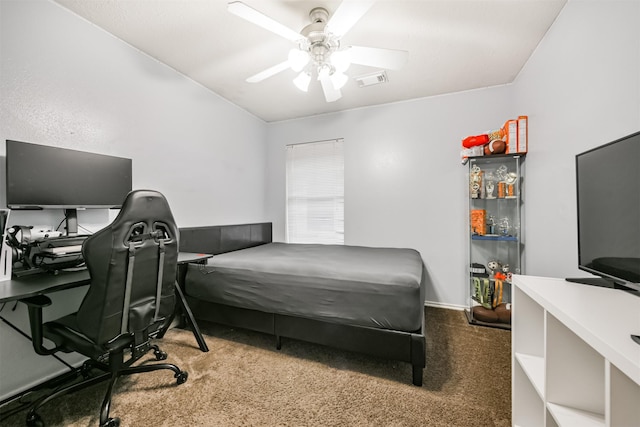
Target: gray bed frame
{"type": "Point", "coordinates": [385, 343]}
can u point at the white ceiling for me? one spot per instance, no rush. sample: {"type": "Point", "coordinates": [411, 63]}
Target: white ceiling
{"type": "Point", "coordinates": [454, 45]}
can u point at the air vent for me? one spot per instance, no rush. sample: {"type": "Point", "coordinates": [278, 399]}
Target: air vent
{"type": "Point", "coordinates": [372, 79]}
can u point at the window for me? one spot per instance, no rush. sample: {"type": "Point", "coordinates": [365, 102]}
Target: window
{"type": "Point", "coordinates": [315, 192]}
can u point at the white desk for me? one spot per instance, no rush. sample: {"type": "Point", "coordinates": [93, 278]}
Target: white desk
{"type": "Point", "coordinates": [573, 360]}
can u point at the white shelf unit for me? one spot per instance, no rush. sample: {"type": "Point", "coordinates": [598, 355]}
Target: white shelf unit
{"type": "Point", "coordinates": [573, 360]}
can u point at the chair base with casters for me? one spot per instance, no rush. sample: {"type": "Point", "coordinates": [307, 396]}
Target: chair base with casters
{"type": "Point", "coordinates": [113, 367]}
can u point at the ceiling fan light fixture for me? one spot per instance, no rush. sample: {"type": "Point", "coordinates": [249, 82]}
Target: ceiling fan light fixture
{"type": "Point", "coordinates": [302, 81]}
{"type": "Point", "coordinates": [324, 71]}
{"type": "Point", "coordinates": [298, 59]}
{"type": "Point", "coordinates": [338, 80]}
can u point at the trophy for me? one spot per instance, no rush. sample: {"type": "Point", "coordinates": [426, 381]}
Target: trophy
{"type": "Point", "coordinates": [501, 172]}
{"type": "Point", "coordinates": [491, 225]}
{"type": "Point", "coordinates": [490, 184]}
{"type": "Point", "coordinates": [510, 180]}
{"type": "Point", "coordinates": [475, 182]}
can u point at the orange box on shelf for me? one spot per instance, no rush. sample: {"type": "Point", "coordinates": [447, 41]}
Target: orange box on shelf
{"type": "Point", "coordinates": [511, 130]}
{"type": "Point", "coordinates": [523, 134]}
{"type": "Point", "coordinates": [479, 221]}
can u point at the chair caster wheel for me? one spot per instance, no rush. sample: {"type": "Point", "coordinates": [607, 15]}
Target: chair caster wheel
{"type": "Point", "coordinates": [182, 377]}
{"type": "Point", "coordinates": [34, 420]}
{"type": "Point", "coordinates": [160, 355]}
{"type": "Point", "coordinates": [85, 371]}
{"type": "Point", "coordinates": [112, 422]}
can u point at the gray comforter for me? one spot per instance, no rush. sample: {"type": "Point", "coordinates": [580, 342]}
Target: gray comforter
{"type": "Point", "coordinates": [375, 287]}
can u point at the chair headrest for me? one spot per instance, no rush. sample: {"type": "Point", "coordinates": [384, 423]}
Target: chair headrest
{"type": "Point", "coordinates": [144, 213]}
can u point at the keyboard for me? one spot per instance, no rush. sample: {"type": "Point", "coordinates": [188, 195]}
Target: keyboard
{"type": "Point", "coordinates": [62, 245]}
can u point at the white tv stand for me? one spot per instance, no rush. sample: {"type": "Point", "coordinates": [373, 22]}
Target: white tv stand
{"type": "Point", "coordinates": [573, 360]}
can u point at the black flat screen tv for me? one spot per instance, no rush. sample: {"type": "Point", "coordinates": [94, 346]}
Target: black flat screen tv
{"type": "Point", "coordinates": [47, 177]}
{"type": "Point", "coordinates": [608, 202]}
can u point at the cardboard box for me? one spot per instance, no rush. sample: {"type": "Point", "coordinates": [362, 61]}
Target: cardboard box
{"type": "Point", "coordinates": [523, 133]}
{"type": "Point", "coordinates": [479, 222]}
{"type": "Point", "coordinates": [511, 127]}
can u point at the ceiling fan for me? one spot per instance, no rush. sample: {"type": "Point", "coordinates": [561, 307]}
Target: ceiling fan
{"type": "Point", "coordinates": [318, 46]}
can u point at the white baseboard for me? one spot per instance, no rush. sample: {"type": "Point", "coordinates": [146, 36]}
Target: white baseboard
{"type": "Point", "coordinates": [443, 305]}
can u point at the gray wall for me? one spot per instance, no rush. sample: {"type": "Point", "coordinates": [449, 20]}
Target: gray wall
{"type": "Point", "coordinates": [581, 89]}
{"type": "Point", "coordinates": [67, 83]}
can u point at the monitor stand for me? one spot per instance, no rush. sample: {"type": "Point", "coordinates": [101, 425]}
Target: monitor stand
{"type": "Point", "coordinates": [593, 281]}
{"type": "Point", "coordinates": [606, 283]}
{"type": "Point", "coordinates": [71, 220]}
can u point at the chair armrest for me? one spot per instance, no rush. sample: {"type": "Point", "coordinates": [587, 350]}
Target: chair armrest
{"type": "Point", "coordinates": [35, 305]}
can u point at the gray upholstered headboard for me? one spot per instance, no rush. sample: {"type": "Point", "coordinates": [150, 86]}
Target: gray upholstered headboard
{"type": "Point", "coordinates": [218, 239]}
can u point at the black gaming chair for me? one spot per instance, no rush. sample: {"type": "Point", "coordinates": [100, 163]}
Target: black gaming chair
{"type": "Point", "coordinates": [132, 264]}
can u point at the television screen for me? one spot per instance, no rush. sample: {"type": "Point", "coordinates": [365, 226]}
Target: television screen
{"type": "Point", "coordinates": [608, 187]}
{"type": "Point", "coordinates": [40, 176]}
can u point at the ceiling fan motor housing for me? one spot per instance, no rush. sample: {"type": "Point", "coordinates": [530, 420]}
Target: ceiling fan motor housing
{"type": "Point", "coordinates": [319, 14]}
{"type": "Point", "coordinates": [319, 44]}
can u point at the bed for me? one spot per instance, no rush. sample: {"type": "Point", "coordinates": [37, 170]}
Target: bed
{"type": "Point", "coordinates": [363, 299]}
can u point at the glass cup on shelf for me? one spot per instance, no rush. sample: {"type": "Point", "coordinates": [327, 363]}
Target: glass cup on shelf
{"type": "Point", "coordinates": [504, 226]}
{"type": "Point", "coordinates": [490, 185]}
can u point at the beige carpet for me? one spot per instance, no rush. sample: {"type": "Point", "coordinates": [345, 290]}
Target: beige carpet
{"type": "Point", "coordinates": [244, 381]}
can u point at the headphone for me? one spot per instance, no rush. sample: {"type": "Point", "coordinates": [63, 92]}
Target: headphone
{"type": "Point", "coordinates": [19, 245]}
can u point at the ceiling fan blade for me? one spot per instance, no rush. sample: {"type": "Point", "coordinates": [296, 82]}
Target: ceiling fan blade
{"type": "Point", "coordinates": [250, 14]}
{"type": "Point", "coordinates": [389, 59]}
{"type": "Point", "coordinates": [330, 93]}
{"type": "Point", "coordinates": [271, 71]}
{"type": "Point", "coordinates": [347, 14]}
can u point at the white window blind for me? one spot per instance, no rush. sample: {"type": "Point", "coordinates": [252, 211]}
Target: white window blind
{"type": "Point", "coordinates": [315, 192]}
